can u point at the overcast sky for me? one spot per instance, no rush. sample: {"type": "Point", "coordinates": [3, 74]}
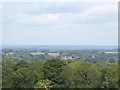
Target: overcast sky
{"type": "Point", "coordinates": [60, 23]}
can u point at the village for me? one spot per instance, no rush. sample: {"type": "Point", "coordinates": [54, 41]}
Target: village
{"type": "Point", "coordinates": [84, 55]}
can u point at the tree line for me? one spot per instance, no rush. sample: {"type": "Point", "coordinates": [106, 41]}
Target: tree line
{"type": "Point", "coordinates": [56, 73]}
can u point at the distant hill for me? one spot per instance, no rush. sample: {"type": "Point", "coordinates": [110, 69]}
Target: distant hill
{"type": "Point", "coordinates": [58, 47]}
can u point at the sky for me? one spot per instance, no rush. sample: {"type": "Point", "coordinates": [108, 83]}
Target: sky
{"type": "Point", "coordinates": [59, 23]}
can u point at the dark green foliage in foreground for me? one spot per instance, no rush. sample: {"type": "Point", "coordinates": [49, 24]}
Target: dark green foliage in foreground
{"type": "Point", "coordinates": [56, 73]}
{"type": "Point", "coordinates": [52, 71]}
{"type": "Point", "coordinates": [21, 74]}
{"type": "Point", "coordinates": [81, 75]}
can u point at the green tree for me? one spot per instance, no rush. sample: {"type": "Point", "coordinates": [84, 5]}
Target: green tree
{"type": "Point", "coordinates": [20, 64]}
{"type": "Point", "coordinates": [27, 77]}
{"type": "Point", "coordinates": [52, 71]}
{"type": "Point", "coordinates": [109, 74]}
{"type": "Point", "coordinates": [103, 67]}
{"type": "Point", "coordinates": [46, 84]}
{"type": "Point", "coordinates": [7, 73]}
{"type": "Point", "coordinates": [81, 75]}
{"type": "Point", "coordinates": [112, 76]}
{"type": "Point", "coordinates": [24, 78]}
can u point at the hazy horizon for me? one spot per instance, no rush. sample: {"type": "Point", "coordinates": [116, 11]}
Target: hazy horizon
{"type": "Point", "coordinates": [54, 45]}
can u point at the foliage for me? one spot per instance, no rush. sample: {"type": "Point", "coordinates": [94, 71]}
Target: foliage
{"type": "Point", "coordinates": [46, 84]}
{"type": "Point", "coordinates": [81, 75]}
{"type": "Point", "coordinates": [56, 73]}
{"type": "Point", "coordinates": [52, 71]}
{"type": "Point", "coordinates": [21, 74]}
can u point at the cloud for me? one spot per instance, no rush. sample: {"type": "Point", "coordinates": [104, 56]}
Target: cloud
{"type": "Point", "coordinates": [37, 19]}
{"type": "Point", "coordinates": [60, 23]}
{"type": "Point", "coordinates": [100, 14]}
{"type": "Point", "coordinates": [39, 8]}
{"type": "Point", "coordinates": [90, 15]}
{"type": "Point", "coordinates": [60, 13]}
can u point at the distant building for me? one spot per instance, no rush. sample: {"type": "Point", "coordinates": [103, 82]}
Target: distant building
{"type": "Point", "coordinates": [93, 56]}
{"type": "Point", "coordinates": [70, 58]}
{"type": "Point", "coordinates": [110, 52]}
{"type": "Point", "coordinates": [37, 53]}
{"type": "Point", "coordinates": [11, 53]}
{"type": "Point", "coordinates": [53, 54]}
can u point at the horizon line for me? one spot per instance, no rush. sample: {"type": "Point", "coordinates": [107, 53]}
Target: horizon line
{"type": "Point", "coordinates": [54, 45]}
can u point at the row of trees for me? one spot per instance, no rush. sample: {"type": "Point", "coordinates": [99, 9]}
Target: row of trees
{"type": "Point", "coordinates": [56, 73]}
